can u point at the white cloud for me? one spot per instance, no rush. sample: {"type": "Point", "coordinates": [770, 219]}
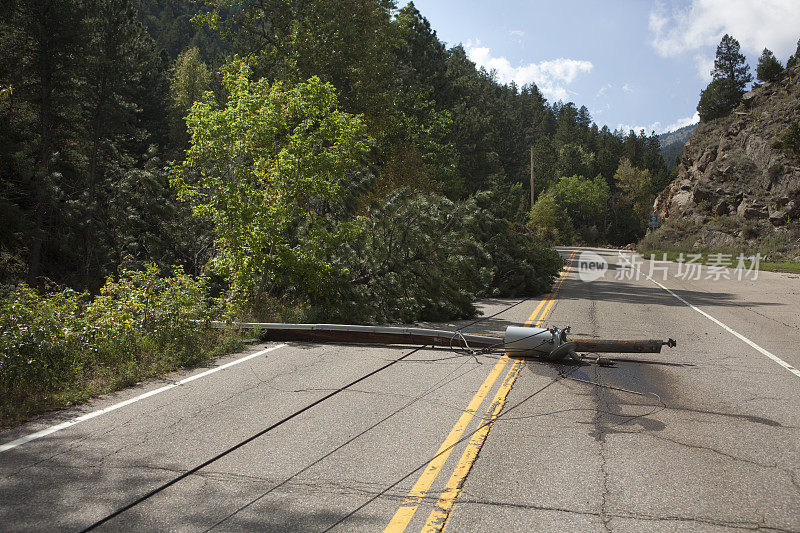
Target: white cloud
{"type": "Point", "coordinates": [516, 33]}
{"type": "Point", "coordinates": [603, 90]}
{"type": "Point", "coordinates": [659, 128]}
{"type": "Point", "coordinates": [705, 64]}
{"type": "Point", "coordinates": [768, 23]}
{"type": "Point", "coordinates": [681, 122]}
{"type": "Point", "coordinates": [551, 77]}
{"type": "Point", "coordinates": [627, 88]}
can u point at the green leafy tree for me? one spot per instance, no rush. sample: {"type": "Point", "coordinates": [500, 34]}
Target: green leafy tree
{"type": "Point", "coordinates": [265, 169]}
{"type": "Point", "coordinates": [189, 81]}
{"type": "Point", "coordinates": [635, 195]}
{"type": "Point", "coordinates": [550, 222]}
{"type": "Point", "coordinates": [769, 68]}
{"type": "Point", "coordinates": [584, 200]}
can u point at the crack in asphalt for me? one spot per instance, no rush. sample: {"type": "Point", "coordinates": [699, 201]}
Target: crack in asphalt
{"type": "Point", "coordinates": [744, 525]}
{"type": "Point", "coordinates": [599, 423]}
{"type": "Point", "coordinates": [710, 449]}
{"type": "Point", "coordinates": [752, 310]}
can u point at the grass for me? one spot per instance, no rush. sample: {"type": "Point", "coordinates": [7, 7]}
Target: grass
{"type": "Point", "coordinates": [67, 390]}
{"type": "Point", "coordinates": [781, 266]}
{"type": "Point", "coordinates": [705, 259]}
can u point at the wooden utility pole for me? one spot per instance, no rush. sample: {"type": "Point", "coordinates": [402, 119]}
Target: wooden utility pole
{"type": "Point", "coordinates": [531, 177]}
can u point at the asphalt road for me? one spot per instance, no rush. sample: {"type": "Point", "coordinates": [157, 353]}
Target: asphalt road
{"type": "Point", "coordinates": [700, 437]}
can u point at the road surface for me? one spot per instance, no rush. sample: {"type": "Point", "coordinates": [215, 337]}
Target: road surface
{"type": "Point", "coordinates": [701, 437]}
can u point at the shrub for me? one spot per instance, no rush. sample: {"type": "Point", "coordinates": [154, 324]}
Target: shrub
{"type": "Point", "coordinates": [790, 140]}
{"type": "Point", "coordinates": [41, 342]}
{"type": "Point", "coordinates": [61, 347]}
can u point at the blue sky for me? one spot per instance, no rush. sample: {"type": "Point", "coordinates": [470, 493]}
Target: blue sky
{"type": "Point", "coordinates": [635, 64]}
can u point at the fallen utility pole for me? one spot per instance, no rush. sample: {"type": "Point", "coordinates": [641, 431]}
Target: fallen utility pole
{"type": "Point", "coordinates": [518, 341]}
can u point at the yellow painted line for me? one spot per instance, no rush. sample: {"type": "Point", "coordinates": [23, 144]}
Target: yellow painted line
{"type": "Point", "coordinates": [441, 511]}
{"type": "Point", "coordinates": [553, 292]}
{"type": "Point", "coordinates": [405, 513]}
{"type": "Point", "coordinates": [536, 311]}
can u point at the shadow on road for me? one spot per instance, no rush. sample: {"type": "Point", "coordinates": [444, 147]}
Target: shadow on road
{"type": "Point", "coordinates": [620, 291]}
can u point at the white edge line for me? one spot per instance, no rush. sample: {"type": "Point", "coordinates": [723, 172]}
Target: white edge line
{"type": "Point", "coordinates": [88, 416]}
{"type": "Point", "coordinates": [741, 337]}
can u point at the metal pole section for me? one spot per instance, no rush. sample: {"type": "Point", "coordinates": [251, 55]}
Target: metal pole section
{"type": "Point", "coordinates": [618, 345]}
{"type": "Point", "coordinates": [352, 334]}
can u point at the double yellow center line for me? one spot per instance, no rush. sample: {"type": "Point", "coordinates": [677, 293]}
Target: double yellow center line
{"type": "Point", "coordinates": [441, 511]}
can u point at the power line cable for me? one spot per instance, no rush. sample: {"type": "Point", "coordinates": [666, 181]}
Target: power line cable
{"type": "Point", "coordinates": [235, 447]}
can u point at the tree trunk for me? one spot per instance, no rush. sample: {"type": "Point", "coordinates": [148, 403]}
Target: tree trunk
{"type": "Point", "coordinates": [44, 155]}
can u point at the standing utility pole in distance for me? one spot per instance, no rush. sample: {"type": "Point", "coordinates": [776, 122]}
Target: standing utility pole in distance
{"type": "Point", "coordinates": [531, 177]}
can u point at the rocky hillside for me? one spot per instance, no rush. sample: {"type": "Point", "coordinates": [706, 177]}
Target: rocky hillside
{"type": "Point", "coordinates": [738, 180]}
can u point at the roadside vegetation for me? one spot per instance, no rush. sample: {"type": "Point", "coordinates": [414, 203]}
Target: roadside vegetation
{"type": "Point", "coordinates": [61, 347]}
{"type": "Point", "coordinates": [711, 257]}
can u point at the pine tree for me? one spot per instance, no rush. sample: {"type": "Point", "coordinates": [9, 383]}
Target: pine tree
{"type": "Point", "coordinates": [794, 59]}
{"type": "Point", "coordinates": [769, 68]}
{"type": "Point", "coordinates": [731, 64]}
{"type": "Point", "coordinates": [718, 99]}
{"type": "Point", "coordinates": [118, 57]}
{"type": "Point", "coordinates": [42, 44]}
{"type": "Point", "coordinates": [731, 76]}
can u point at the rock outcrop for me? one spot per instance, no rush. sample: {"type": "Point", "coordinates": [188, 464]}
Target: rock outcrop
{"type": "Point", "coordinates": [738, 167]}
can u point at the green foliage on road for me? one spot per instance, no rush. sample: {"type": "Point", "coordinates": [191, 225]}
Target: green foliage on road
{"type": "Point", "coordinates": [61, 347]}
{"type": "Point", "coordinates": [421, 256]}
